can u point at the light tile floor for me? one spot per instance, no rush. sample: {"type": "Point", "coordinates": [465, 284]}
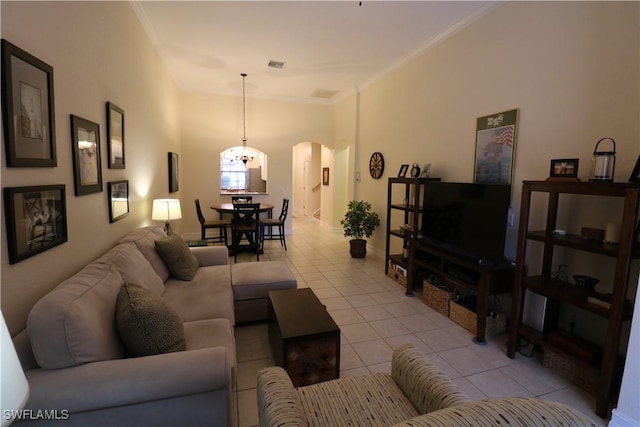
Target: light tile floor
{"type": "Point", "coordinates": [375, 315]}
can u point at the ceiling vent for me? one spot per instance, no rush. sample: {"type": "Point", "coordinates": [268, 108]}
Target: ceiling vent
{"type": "Point", "coordinates": [323, 93]}
{"type": "Point", "coordinates": [276, 64]}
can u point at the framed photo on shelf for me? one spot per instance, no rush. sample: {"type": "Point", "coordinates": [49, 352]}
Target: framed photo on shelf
{"type": "Point", "coordinates": [115, 136]}
{"type": "Point", "coordinates": [403, 171]}
{"type": "Point", "coordinates": [28, 109]}
{"type": "Point", "coordinates": [118, 200]}
{"type": "Point", "coordinates": [85, 143]}
{"type": "Point", "coordinates": [495, 145]}
{"type": "Point", "coordinates": [635, 175]}
{"type": "Point", "coordinates": [325, 176]}
{"type": "Point", "coordinates": [36, 219]}
{"type": "Point", "coordinates": [564, 168]}
{"type": "Point", "coordinates": [173, 173]}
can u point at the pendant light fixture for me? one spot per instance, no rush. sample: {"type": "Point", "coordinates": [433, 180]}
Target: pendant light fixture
{"type": "Point", "coordinates": [245, 155]}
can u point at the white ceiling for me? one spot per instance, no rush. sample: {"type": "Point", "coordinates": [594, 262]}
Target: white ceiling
{"type": "Point", "coordinates": [328, 47]}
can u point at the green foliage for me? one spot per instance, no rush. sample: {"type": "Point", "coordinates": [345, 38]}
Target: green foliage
{"type": "Point", "coordinates": [359, 221]}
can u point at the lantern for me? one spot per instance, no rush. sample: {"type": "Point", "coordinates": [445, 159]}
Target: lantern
{"type": "Point", "coordinates": [603, 163]}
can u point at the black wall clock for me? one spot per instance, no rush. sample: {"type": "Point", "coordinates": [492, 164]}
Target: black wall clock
{"type": "Point", "coordinates": [376, 165]}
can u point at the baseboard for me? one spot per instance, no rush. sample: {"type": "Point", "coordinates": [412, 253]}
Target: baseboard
{"type": "Point", "coordinates": [619, 419]}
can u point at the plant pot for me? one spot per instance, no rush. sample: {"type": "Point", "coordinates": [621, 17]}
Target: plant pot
{"type": "Point", "coordinates": [358, 248]}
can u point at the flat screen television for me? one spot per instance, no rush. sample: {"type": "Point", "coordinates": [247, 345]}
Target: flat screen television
{"type": "Point", "coordinates": [469, 220]}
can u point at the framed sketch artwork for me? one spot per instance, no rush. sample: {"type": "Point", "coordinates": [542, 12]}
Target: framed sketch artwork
{"type": "Point", "coordinates": [36, 219]}
{"type": "Point", "coordinates": [495, 145]}
{"type": "Point", "coordinates": [118, 192]}
{"type": "Point", "coordinates": [115, 136]}
{"type": "Point", "coordinates": [27, 109]}
{"type": "Point", "coordinates": [85, 144]}
{"type": "Point", "coordinates": [173, 173]}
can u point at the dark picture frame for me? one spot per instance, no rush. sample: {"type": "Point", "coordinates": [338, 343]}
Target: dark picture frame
{"type": "Point", "coordinates": [115, 136]}
{"type": "Point", "coordinates": [325, 176]}
{"type": "Point", "coordinates": [173, 172]}
{"type": "Point", "coordinates": [118, 193]}
{"type": "Point", "coordinates": [635, 174]}
{"type": "Point", "coordinates": [85, 145]}
{"type": "Point", "coordinates": [495, 148]}
{"type": "Point", "coordinates": [564, 168]}
{"type": "Point", "coordinates": [403, 171]}
{"type": "Point", "coordinates": [36, 219]}
{"type": "Point", "coordinates": [28, 112]}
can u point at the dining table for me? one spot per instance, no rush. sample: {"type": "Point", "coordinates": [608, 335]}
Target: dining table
{"type": "Point", "coordinates": [227, 208]}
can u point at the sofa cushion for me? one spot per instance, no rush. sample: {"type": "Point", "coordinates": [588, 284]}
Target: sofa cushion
{"type": "Point", "coordinates": [252, 280]}
{"type": "Point", "coordinates": [372, 399]}
{"type": "Point", "coordinates": [146, 324]}
{"type": "Point", "coordinates": [75, 322]}
{"type": "Point", "coordinates": [133, 266]}
{"type": "Point", "coordinates": [211, 333]}
{"type": "Point", "coordinates": [177, 257]}
{"type": "Point", "coordinates": [144, 238]}
{"type": "Point", "coordinates": [207, 296]}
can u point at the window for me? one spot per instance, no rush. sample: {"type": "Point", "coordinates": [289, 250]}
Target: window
{"type": "Point", "coordinates": [233, 175]}
{"type": "Point", "coordinates": [236, 176]}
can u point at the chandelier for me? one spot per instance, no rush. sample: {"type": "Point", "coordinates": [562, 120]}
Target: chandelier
{"type": "Point", "coordinates": [245, 154]}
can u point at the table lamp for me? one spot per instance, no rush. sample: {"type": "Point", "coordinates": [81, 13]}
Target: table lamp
{"type": "Point", "coordinates": [166, 210]}
{"type": "Point", "coordinates": [15, 388]}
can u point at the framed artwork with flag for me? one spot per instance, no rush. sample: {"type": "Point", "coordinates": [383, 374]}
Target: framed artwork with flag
{"type": "Point", "coordinates": [495, 147]}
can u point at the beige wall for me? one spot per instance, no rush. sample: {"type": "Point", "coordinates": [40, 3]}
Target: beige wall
{"type": "Point", "coordinates": [99, 53]}
{"type": "Point", "coordinates": [570, 67]}
{"type": "Point", "coordinates": [212, 123]}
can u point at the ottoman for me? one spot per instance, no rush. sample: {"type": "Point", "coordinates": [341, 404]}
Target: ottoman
{"type": "Point", "coordinates": [251, 283]}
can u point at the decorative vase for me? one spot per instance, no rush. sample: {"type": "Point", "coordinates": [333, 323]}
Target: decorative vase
{"type": "Point", "coordinates": [358, 248]}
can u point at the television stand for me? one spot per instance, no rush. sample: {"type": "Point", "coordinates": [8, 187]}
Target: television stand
{"type": "Point", "coordinates": [465, 274]}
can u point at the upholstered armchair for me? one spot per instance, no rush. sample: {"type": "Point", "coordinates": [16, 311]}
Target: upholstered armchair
{"type": "Point", "coordinates": [415, 393]}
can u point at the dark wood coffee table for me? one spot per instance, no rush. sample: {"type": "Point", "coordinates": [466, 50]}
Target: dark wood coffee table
{"type": "Point", "coordinates": [304, 339]}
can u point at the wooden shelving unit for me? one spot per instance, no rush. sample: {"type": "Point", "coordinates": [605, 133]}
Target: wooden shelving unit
{"type": "Point", "coordinates": [411, 212]}
{"type": "Point", "coordinates": [543, 284]}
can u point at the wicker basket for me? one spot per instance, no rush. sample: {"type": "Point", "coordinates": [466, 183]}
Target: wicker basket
{"type": "Point", "coordinates": [397, 274]}
{"type": "Point", "coordinates": [581, 375]}
{"type": "Point", "coordinates": [437, 297]}
{"type": "Point", "coordinates": [469, 320]}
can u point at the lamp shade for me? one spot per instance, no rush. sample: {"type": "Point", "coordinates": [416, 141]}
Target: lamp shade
{"type": "Point", "coordinates": [15, 388]}
{"type": "Point", "coordinates": [166, 209]}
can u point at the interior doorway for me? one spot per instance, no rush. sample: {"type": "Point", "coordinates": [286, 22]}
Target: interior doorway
{"type": "Point", "coordinates": [307, 180]}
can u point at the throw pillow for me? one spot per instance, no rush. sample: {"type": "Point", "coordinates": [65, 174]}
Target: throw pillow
{"type": "Point", "coordinates": [146, 324]}
{"type": "Point", "coordinates": [177, 257]}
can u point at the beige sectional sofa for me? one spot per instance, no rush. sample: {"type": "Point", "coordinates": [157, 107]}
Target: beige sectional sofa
{"type": "Point", "coordinates": [78, 368]}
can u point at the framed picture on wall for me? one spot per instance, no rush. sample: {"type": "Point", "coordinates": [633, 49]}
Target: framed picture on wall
{"type": "Point", "coordinates": [85, 143]}
{"type": "Point", "coordinates": [115, 136]}
{"type": "Point", "coordinates": [27, 109]}
{"type": "Point", "coordinates": [36, 219]}
{"type": "Point", "coordinates": [495, 145]}
{"type": "Point", "coordinates": [118, 200]}
{"type": "Point", "coordinates": [325, 176]}
{"type": "Point", "coordinates": [173, 173]}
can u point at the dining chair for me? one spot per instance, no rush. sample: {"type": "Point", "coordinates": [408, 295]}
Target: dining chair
{"type": "Point", "coordinates": [205, 224]}
{"type": "Point", "coordinates": [241, 199]}
{"type": "Point", "coordinates": [275, 222]}
{"type": "Point", "coordinates": [245, 224]}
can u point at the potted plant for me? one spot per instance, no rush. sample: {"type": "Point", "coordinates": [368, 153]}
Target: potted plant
{"type": "Point", "coordinates": [358, 223]}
